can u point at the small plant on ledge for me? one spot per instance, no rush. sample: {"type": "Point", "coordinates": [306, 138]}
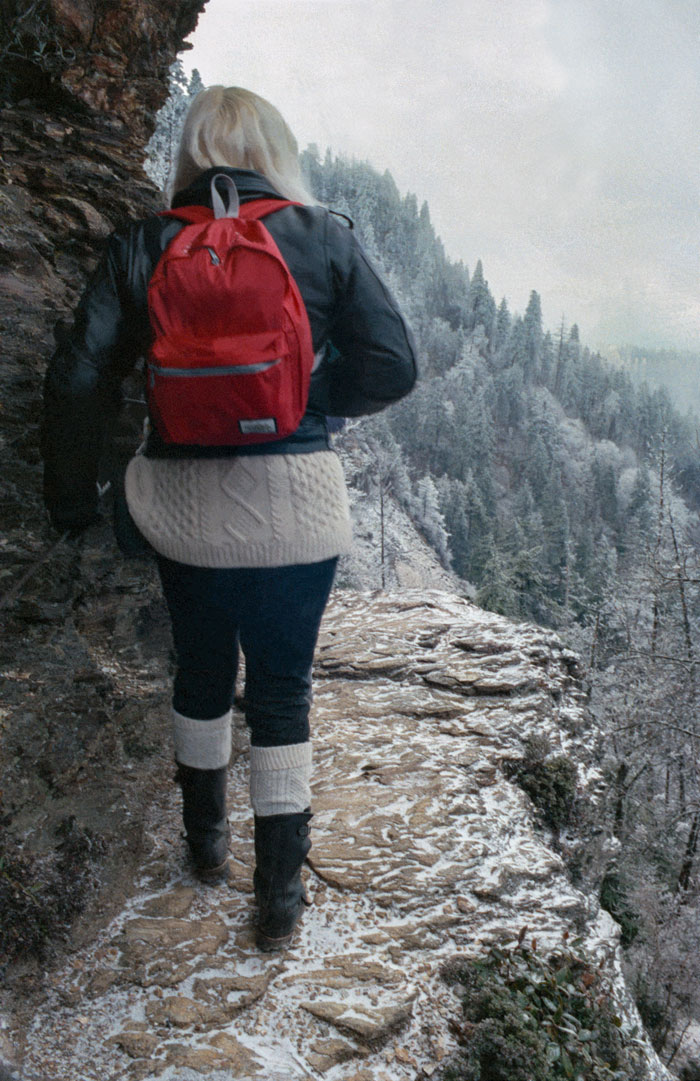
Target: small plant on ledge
{"type": "Point", "coordinates": [531, 1017]}
{"type": "Point", "coordinates": [549, 781]}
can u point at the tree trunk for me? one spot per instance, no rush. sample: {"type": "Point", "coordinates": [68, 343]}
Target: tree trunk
{"type": "Point", "coordinates": [690, 853]}
{"type": "Point", "coordinates": [559, 371]}
{"type": "Point", "coordinates": [620, 792]}
{"type": "Point", "coordinates": [594, 642]}
{"type": "Point", "coordinates": [657, 552]}
{"type": "Point", "coordinates": [684, 605]}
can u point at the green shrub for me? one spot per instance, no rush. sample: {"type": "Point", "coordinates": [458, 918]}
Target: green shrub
{"type": "Point", "coordinates": [613, 898]}
{"type": "Point", "coordinates": [655, 1006]}
{"type": "Point", "coordinates": [550, 782]}
{"type": "Point", "coordinates": [532, 1018]}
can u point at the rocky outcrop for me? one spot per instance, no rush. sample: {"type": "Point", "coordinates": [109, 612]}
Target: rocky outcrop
{"type": "Point", "coordinates": [80, 81]}
{"type": "Point", "coordinates": [423, 850]}
{"type": "Point", "coordinates": [111, 57]}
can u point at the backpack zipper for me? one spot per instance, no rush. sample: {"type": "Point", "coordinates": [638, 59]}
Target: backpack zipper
{"type": "Point", "coordinates": [238, 369]}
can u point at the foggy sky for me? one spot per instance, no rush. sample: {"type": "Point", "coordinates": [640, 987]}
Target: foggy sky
{"type": "Point", "coordinates": [556, 140]}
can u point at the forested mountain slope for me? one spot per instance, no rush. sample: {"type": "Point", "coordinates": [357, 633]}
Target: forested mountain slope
{"type": "Point", "coordinates": [544, 456]}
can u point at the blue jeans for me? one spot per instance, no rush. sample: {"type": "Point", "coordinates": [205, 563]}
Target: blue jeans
{"type": "Point", "coordinates": [275, 614]}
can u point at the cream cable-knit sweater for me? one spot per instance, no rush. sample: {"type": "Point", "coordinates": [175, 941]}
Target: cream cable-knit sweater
{"type": "Point", "coordinates": [258, 511]}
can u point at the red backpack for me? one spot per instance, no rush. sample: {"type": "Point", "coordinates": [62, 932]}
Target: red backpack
{"type": "Point", "coordinates": [231, 356]}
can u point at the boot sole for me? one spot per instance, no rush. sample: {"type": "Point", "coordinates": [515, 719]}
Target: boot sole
{"type": "Point", "coordinates": [268, 944]}
{"type": "Point", "coordinates": [271, 945]}
{"type": "Point", "coordinates": [212, 874]}
{"type": "Point", "coordinates": [203, 872]}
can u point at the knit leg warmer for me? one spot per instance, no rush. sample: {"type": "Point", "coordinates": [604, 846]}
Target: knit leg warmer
{"type": "Point", "coordinates": [202, 744]}
{"type": "Point", "coordinates": [280, 779]}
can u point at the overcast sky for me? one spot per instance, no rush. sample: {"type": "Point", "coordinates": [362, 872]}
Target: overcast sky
{"type": "Point", "coordinates": [557, 140]}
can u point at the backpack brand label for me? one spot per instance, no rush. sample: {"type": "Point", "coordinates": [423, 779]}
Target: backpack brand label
{"type": "Point", "coordinates": [264, 426]}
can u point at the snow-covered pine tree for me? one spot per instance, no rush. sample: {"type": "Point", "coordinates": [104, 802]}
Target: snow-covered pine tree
{"type": "Point", "coordinates": [162, 146]}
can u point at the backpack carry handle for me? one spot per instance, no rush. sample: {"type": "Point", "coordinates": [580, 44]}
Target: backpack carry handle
{"type": "Point", "coordinates": [251, 211]}
{"type": "Point", "coordinates": [231, 207]}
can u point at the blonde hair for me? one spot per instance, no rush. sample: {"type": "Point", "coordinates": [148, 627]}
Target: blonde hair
{"type": "Point", "coordinates": [233, 127]}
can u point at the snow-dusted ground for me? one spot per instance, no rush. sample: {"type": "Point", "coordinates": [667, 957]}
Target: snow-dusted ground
{"type": "Point", "coordinates": [422, 851]}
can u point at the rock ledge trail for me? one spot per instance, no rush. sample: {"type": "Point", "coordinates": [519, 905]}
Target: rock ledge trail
{"type": "Point", "coordinates": [422, 850]}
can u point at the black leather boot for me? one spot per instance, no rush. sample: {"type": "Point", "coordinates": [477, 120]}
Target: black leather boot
{"type": "Point", "coordinates": [281, 846]}
{"type": "Point", "coordinates": [204, 816]}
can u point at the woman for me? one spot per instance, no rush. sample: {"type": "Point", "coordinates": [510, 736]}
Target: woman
{"type": "Point", "coordinates": [247, 538]}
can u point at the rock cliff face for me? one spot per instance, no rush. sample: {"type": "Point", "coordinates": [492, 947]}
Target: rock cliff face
{"type": "Point", "coordinates": [423, 850]}
{"type": "Point", "coordinates": [110, 56]}
{"type": "Point", "coordinates": [80, 81]}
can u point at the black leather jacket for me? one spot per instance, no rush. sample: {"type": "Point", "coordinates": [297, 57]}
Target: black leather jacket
{"type": "Point", "coordinates": [369, 359]}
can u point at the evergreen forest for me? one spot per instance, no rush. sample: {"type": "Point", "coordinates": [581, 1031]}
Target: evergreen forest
{"type": "Point", "coordinates": [562, 490]}
{"type": "Point", "coordinates": [676, 370]}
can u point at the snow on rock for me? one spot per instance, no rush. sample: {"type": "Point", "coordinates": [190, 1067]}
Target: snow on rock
{"type": "Point", "coordinates": [422, 850]}
{"type": "Point", "coordinates": [409, 560]}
